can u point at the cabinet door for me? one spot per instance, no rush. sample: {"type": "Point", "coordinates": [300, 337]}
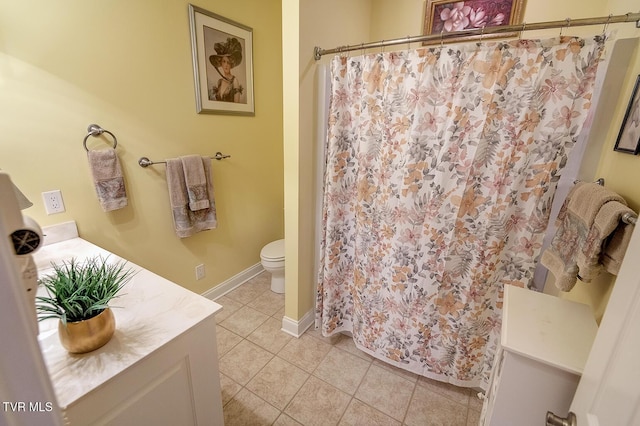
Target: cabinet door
{"type": "Point", "coordinates": [178, 384]}
{"type": "Point", "coordinates": [165, 400]}
{"type": "Point", "coordinates": [525, 389]}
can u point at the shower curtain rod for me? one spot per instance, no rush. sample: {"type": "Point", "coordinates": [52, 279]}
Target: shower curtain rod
{"type": "Point", "coordinates": [567, 23]}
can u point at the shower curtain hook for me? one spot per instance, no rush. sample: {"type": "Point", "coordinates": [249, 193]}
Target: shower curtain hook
{"type": "Point", "coordinates": [408, 42]}
{"type": "Point", "coordinates": [606, 24]}
{"type": "Point", "coordinates": [362, 48]}
{"type": "Point", "coordinates": [481, 33]}
{"type": "Point", "coordinates": [441, 39]}
{"type": "Point", "coordinates": [524, 26]}
{"type": "Point", "coordinates": [568, 20]}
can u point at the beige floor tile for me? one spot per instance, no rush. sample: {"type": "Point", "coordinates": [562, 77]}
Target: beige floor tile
{"type": "Point", "coordinates": [429, 408]}
{"type": "Point", "coordinates": [346, 343]}
{"type": "Point", "coordinates": [270, 336]}
{"type": "Point", "coordinates": [244, 321]}
{"type": "Point", "coordinates": [455, 393]}
{"type": "Point", "coordinates": [473, 417]}
{"type": "Point", "coordinates": [285, 420]}
{"type": "Point", "coordinates": [268, 302]}
{"type": "Point", "coordinates": [229, 388]}
{"type": "Point", "coordinates": [278, 382]}
{"type": "Point", "coordinates": [279, 314]}
{"type": "Point", "coordinates": [305, 352]}
{"type": "Point", "coordinates": [243, 361]}
{"type": "Point", "coordinates": [252, 289]}
{"type": "Point", "coordinates": [229, 306]}
{"type": "Point", "coordinates": [412, 377]}
{"type": "Point", "coordinates": [395, 398]}
{"type": "Point", "coordinates": [360, 414]}
{"type": "Point", "coordinates": [475, 403]}
{"type": "Point", "coordinates": [315, 332]}
{"type": "Point", "coordinates": [226, 340]}
{"type": "Point", "coordinates": [248, 409]}
{"type": "Point", "coordinates": [342, 370]}
{"type": "Point", "coordinates": [318, 403]}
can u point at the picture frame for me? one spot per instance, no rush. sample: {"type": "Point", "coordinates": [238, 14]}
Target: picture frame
{"type": "Point", "coordinates": [629, 136]}
{"type": "Point", "coordinates": [222, 54]}
{"type": "Point", "coordinates": [445, 16]}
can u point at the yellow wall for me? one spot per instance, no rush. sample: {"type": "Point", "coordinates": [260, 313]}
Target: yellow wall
{"type": "Point", "coordinates": [307, 23]}
{"type": "Point", "coordinates": [291, 105]}
{"type": "Point", "coordinates": [127, 66]}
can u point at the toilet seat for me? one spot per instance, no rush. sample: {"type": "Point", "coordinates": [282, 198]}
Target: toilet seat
{"type": "Point", "coordinates": [273, 251]}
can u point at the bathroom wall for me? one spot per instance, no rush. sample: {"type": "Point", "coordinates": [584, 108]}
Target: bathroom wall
{"type": "Point", "coordinates": [127, 66]}
{"type": "Point", "coordinates": [307, 24]}
{"type": "Point", "coordinates": [396, 19]}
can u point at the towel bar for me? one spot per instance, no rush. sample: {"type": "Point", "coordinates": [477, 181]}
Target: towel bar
{"type": "Point", "coordinates": [629, 218]}
{"type": "Point", "coordinates": [95, 130]}
{"type": "Point", "coordinates": [146, 162]}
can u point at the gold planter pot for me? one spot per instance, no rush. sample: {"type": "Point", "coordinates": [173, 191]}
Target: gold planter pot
{"type": "Point", "coordinates": [88, 335]}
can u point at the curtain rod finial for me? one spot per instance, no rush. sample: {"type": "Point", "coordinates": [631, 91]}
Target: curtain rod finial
{"type": "Point", "coordinates": [316, 53]}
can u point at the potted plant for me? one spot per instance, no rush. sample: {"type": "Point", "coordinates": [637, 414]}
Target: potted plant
{"type": "Point", "coordinates": [78, 295]}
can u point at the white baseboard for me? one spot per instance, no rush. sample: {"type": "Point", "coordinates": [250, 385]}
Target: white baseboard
{"type": "Point", "coordinates": [297, 328]}
{"type": "Point", "coordinates": [233, 282]}
{"type": "Point", "coordinates": [289, 326]}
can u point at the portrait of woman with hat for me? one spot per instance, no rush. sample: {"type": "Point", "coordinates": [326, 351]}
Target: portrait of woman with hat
{"type": "Point", "coordinates": [228, 55]}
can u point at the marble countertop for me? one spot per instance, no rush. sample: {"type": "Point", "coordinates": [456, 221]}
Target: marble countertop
{"type": "Point", "coordinates": [150, 312]}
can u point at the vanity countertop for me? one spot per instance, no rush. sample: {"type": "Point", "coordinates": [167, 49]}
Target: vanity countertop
{"type": "Point", "coordinates": [150, 312]}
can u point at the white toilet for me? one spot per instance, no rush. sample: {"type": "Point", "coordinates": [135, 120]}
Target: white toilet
{"type": "Point", "coordinates": [272, 259]}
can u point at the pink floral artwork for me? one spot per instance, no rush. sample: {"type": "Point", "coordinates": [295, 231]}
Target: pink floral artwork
{"type": "Point", "coordinates": [449, 16]}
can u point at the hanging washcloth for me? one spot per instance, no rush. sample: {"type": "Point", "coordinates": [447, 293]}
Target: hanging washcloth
{"type": "Point", "coordinates": [196, 181]}
{"type": "Point", "coordinates": [186, 221]}
{"type": "Point", "coordinates": [107, 178]}
{"type": "Point", "coordinates": [589, 215]}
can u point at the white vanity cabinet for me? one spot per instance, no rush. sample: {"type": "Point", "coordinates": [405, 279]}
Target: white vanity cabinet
{"type": "Point", "coordinates": [160, 367]}
{"type": "Point", "coordinates": [544, 346]}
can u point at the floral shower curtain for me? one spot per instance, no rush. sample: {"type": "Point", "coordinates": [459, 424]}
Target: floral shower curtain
{"type": "Point", "coordinates": [440, 172]}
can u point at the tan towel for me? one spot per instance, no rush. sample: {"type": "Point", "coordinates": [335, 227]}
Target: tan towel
{"type": "Point", "coordinates": [196, 181]}
{"type": "Point", "coordinates": [108, 179]}
{"type": "Point", "coordinates": [186, 221]}
{"type": "Point", "coordinates": [590, 213]}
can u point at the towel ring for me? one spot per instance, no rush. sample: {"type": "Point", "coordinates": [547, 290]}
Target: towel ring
{"type": "Point", "coordinates": [95, 130]}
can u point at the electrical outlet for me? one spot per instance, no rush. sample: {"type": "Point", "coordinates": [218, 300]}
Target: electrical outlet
{"type": "Point", "coordinates": [53, 202]}
{"type": "Point", "coordinates": [200, 271]}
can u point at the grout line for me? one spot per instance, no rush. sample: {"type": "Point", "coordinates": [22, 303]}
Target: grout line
{"type": "Point", "coordinates": [406, 411]}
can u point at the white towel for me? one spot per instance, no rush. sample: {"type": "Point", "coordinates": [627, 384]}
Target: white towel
{"type": "Point", "coordinates": [196, 181]}
{"type": "Point", "coordinates": [186, 221]}
{"type": "Point", "coordinates": [108, 179]}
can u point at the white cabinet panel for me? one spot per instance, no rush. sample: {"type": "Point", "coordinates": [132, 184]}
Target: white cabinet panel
{"type": "Point", "coordinates": [544, 344]}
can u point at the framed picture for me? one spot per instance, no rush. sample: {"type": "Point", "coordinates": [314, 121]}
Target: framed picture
{"type": "Point", "coordinates": [222, 52]}
{"type": "Point", "coordinates": [449, 16]}
{"type": "Point", "coordinates": [629, 136]}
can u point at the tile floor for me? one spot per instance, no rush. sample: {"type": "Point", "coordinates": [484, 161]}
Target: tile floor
{"type": "Point", "coordinates": [269, 377]}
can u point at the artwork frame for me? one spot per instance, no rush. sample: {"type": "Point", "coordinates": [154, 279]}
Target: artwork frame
{"type": "Point", "coordinates": [629, 136]}
{"type": "Point", "coordinates": [222, 55]}
{"type": "Point", "coordinates": [470, 15]}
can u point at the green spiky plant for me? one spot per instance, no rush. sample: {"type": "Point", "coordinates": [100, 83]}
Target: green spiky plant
{"type": "Point", "coordinates": [79, 291]}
